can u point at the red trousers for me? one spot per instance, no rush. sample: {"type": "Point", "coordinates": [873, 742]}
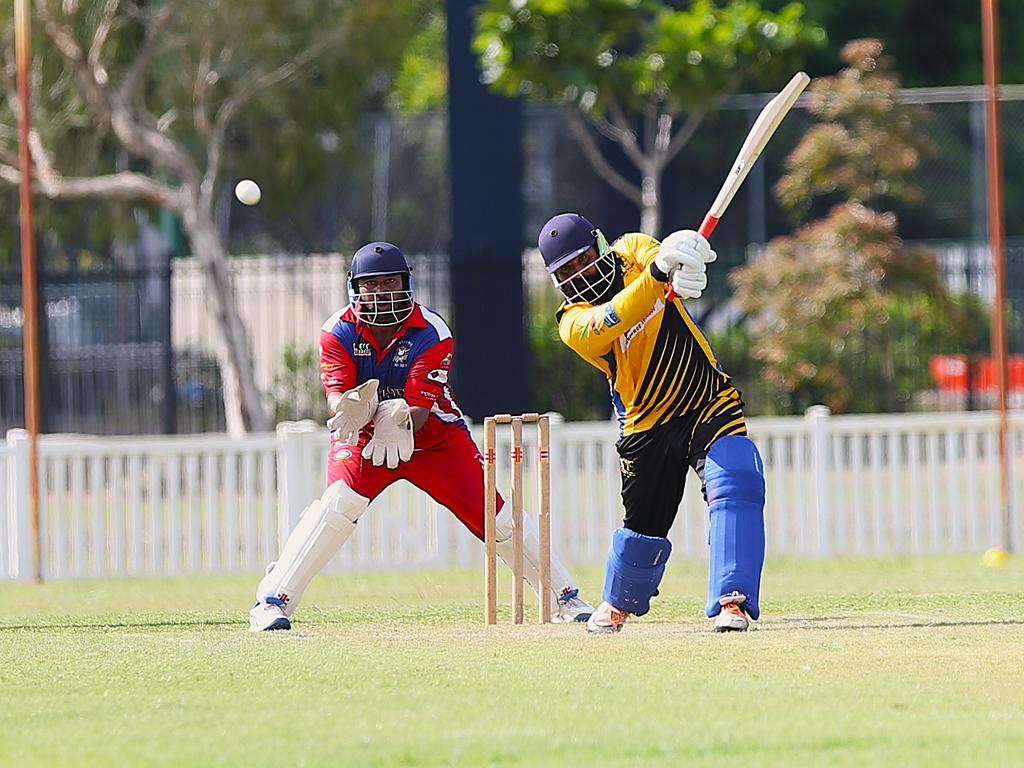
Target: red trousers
{"type": "Point", "coordinates": [446, 464]}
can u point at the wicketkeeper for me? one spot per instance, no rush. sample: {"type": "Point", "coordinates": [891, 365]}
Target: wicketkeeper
{"type": "Point", "coordinates": [676, 409]}
{"type": "Point", "coordinates": [385, 362]}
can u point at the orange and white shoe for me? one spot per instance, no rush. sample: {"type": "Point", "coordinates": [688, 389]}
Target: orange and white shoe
{"type": "Point", "coordinates": [606, 620]}
{"type": "Point", "coordinates": [732, 617]}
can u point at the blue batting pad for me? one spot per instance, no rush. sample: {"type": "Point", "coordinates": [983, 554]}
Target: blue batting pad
{"type": "Point", "coordinates": [734, 482]}
{"type": "Point", "coordinates": [634, 569]}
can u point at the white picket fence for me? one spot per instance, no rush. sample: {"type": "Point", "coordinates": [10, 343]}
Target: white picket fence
{"type": "Point", "coordinates": [111, 506]}
{"type": "Point", "coordinates": [282, 301]}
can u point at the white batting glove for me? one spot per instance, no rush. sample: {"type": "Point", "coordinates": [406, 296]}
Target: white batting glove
{"type": "Point", "coordinates": [689, 284]}
{"type": "Point", "coordinates": [680, 243]}
{"type": "Point", "coordinates": [684, 256]}
{"type": "Point", "coordinates": [392, 439]}
{"type": "Point", "coordinates": [352, 410]}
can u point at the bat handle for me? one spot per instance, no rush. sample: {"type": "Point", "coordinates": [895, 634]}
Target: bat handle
{"type": "Point", "coordinates": [706, 228]}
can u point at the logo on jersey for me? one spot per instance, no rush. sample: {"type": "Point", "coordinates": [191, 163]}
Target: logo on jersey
{"type": "Point", "coordinates": [446, 360]}
{"type": "Point", "coordinates": [438, 375]}
{"type": "Point", "coordinates": [599, 323]}
{"type": "Point", "coordinates": [626, 467]}
{"type": "Point", "coordinates": [340, 451]}
{"type": "Point", "coordinates": [402, 353]}
{"type": "Point", "coordinates": [362, 349]}
{"type": "Point", "coordinates": [610, 318]}
{"type": "Point", "coordinates": [628, 335]}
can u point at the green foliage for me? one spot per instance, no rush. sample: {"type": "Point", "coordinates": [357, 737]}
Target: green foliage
{"type": "Point", "coordinates": [866, 146]}
{"type": "Point", "coordinates": [842, 312]}
{"type": "Point", "coordinates": [632, 67]}
{"type": "Point", "coordinates": [291, 137]}
{"type": "Point", "coordinates": [637, 53]}
{"type": "Point", "coordinates": [562, 381]}
{"type": "Point", "coordinates": [733, 346]}
{"type": "Point", "coordinates": [288, 136]}
{"type": "Point", "coordinates": [297, 392]}
{"type": "Point", "coordinates": [421, 78]}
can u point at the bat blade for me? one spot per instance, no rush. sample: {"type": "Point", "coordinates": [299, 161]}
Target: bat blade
{"type": "Point", "coordinates": [757, 138]}
{"type": "Point", "coordinates": [766, 124]}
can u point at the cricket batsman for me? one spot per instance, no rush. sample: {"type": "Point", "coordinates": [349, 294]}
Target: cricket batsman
{"type": "Point", "coordinates": [675, 407]}
{"type": "Point", "coordinates": [385, 362]}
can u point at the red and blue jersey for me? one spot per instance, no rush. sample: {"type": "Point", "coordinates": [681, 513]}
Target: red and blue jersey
{"type": "Point", "coordinates": [415, 365]}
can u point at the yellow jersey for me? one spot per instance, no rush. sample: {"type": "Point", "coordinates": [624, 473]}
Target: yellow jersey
{"type": "Point", "coordinates": [658, 363]}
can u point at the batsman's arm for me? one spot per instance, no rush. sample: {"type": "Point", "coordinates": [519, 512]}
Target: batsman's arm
{"type": "Point", "coordinates": [591, 331]}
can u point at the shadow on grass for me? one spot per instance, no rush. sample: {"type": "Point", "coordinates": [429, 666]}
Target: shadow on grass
{"type": "Point", "coordinates": [834, 623]}
{"type": "Point", "coordinates": [784, 624]}
{"type": "Point", "coordinates": [781, 624]}
{"type": "Point", "coordinates": [196, 624]}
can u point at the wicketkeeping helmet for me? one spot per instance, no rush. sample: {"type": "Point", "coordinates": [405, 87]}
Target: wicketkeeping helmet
{"type": "Point", "coordinates": [381, 307]}
{"type": "Point", "coordinates": [562, 239]}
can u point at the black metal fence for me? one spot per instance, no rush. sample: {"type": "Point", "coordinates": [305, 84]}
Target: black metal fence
{"type": "Point", "coordinates": [107, 365]}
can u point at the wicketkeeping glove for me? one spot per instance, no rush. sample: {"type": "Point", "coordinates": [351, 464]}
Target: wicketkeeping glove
{"type": "Point", "coordinates": [392, 439]}
{"type": "Point", "coordinates": [352, 410]}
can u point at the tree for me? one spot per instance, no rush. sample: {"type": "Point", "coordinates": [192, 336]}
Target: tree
{"type": "Point", "coordinates": [832, 303]}
{"type": "Point", "coordinates": [638, 72]}
{"type": "Point", "coordinates": [154, 92]}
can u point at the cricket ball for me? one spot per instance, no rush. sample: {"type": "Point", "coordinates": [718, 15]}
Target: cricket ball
{"type": "Point", "coordinates": [248, 192]}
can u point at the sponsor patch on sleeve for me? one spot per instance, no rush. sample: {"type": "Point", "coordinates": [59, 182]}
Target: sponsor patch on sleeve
{"type": "Point", "coordinates": [610, 318]}
{"type": "Point", "coordinates": [438, 375]}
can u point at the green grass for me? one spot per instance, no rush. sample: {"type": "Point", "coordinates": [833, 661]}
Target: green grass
{"type": "Point", "coordinates": [855, 662]}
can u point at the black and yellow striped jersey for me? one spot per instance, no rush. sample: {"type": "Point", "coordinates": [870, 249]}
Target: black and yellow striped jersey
{"type": "Point", "coordinates": [658, 363]}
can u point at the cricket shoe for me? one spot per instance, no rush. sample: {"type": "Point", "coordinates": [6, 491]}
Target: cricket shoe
{"type": "Point", "coordinates": [571, 607]}
{"type": "Point", "coordinates": [268, 615]}
{"type": "Point", "coordinates": [606, 620]}
{"type": "Point", "coordinates": [732, 617]}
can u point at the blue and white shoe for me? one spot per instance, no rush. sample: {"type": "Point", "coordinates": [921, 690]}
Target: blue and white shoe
{"type": "Point", "coordinates": [571, 607]}
{"type": "Point", "coordinates": [268, 615]}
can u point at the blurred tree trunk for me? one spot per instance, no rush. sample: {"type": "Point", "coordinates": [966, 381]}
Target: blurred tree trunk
{"type": "Point", "coordinates": [161, 84]}
{"type": "Point", "coordinates": [243, 404]}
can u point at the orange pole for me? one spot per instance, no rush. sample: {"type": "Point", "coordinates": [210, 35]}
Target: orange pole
{"type": "Point", "coordinates": [990, 45]}
{"type": "Point", "coordinates": [30, 298]}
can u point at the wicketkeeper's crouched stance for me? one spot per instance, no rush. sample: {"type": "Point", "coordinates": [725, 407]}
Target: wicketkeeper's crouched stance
{"type": "Point", "coordinates": [385, 362]}
{"type": "Point", "coordinates": [676, 409]}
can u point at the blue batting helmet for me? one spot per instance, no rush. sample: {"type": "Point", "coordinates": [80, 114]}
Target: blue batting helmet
{"type": "Point", "coordinates": [563, 238]}
{"type": "Point", "coordinates": [380, 307]}
{"type": "Point", "coordinates": [378, 258]}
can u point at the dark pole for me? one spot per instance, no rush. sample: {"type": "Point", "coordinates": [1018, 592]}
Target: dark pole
{"type": "Point", "coordinates": [169, 405]}
{"type": "Point", "coordinates": [990, 40]}
{"type": "Point", "coordinates": [30, 298]}
{"type": "Point", "coordinates": [486, 249]}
